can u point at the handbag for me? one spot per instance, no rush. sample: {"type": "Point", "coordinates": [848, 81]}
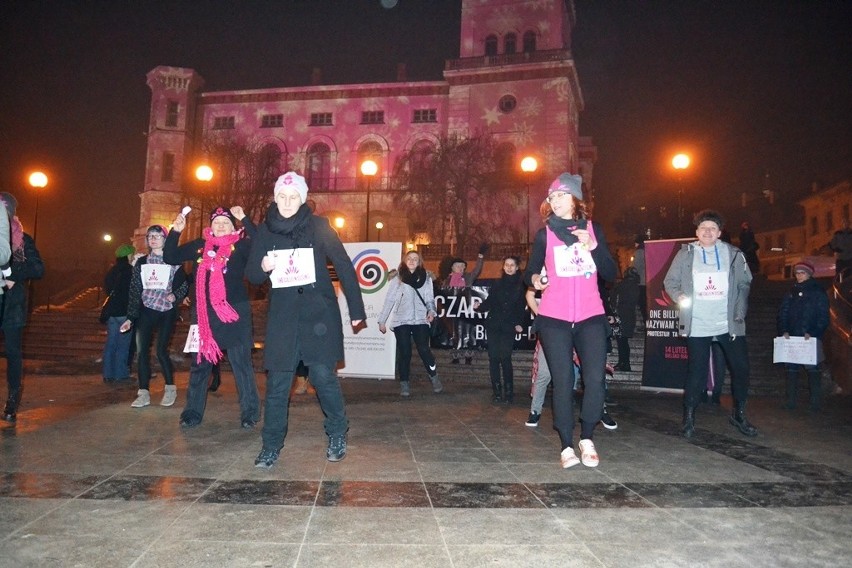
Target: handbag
{"type": "Point", "coordinates": [105, 310]}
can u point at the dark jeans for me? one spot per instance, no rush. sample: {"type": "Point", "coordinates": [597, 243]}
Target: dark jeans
{"type": "Point", "coordinates": [717, 376]}
{"type": "Point", "coordinates": [736, 354]}
{"type": "Point", "coordinates": [196, 394]}
{"type": "Point", "coordinates": [588, 337]}
{"type": "Point", "coordinates": [420, 335]}
{"type": "Point", "coordinates": [164, 323]}
{"type": "Point", "coordinates": [14, 359]}
{"type": "Point", "coordinates": [116, 348]}
{"type": "Point", "coordinates": [276, 406]}
{"type": "Point", "coordinates": [500, 358]}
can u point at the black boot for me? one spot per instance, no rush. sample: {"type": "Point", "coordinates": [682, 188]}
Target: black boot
{"type": "Point", "coordinates": [688, 428]}
{"type": "Point", "coordinates": [217, 379]}
{"type": "Point", "coordinates": [740, 422]}
{"type": "Point", "coordinates": [509, 392]}
{"type": "Point", "coordinates": [792, 389]}
{"type": "Point", "coordinates": [815, 385]}
{"type": "Point", "coordinates": [10, 412]}
{"type": "Point", "coordinates": [498, 392]}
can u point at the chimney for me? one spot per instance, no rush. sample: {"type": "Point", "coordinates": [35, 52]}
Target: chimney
{"type": "Point", "coordinates": [316, 76]}
{"type": "Point", "coordinates": [401, 74]}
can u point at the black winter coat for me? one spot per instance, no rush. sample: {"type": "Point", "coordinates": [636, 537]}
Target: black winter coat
{"type": "Point", "coordinates": [504, 304]}
{"type": "Point", "coordinates": [15, 299]}
{"type": "Point", "coordinates": [117, 283]}
{"type": "Point", "coordinates": [804, 309]}
{"type": "Point", "coordinates": [304, 322]}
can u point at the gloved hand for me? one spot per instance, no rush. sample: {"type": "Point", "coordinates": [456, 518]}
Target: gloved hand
{"type": "Point", "coordinates": [483, 248]}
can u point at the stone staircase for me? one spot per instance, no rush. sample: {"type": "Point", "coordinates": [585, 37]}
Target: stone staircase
{"type": "Point", "coordinates": [72, 333]}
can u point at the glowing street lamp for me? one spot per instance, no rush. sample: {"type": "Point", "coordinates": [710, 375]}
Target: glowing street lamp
{"type": "Point", "coordinates": [204, 174]}
{"type": "Point", "coordinates": [339, 222]}
{"type": "Point", "coordinates": [369, 168]}
{"type": "Point", "coordinates": [680, 163]}
{"type": "Point", "coordinates": [107, 238]}
{"type": "Point", "coordinates": [379, 227]}
{"type": "Point", "coordinates": [528, 165]}
{"type": "Point", "coordinates": [38, 181]}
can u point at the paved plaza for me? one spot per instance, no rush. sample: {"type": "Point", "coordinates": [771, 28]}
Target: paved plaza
{"type": "Point", "coordinates": [446, 480]}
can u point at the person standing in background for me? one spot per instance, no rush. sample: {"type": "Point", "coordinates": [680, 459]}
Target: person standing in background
{"type": "Point", "coordinates": [23, 264]}
{"type": "Point", "coordinates": [117, 288]}
{"type": "Point", "coordinates": [639, 265]}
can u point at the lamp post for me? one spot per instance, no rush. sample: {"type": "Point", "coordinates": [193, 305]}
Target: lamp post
{"type": "Point", "coordinates": [37, 180]}
{"type": "Point", "coordinates": [379, 227]}
{"type": "Point", "coordinates": [528, 165]}
{"type": "Point", "coordinates": [680, 162]}
{"type": "Point", "coordinates": [369, 168]}
{"type": "Point", "coordinates": [204, 174]}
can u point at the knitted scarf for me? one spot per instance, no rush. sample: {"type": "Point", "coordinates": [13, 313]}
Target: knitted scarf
{"type": "Point", "coordinates": [414, 279]}
{"type": "Point", "coordinates": [563, 227]}
{"type": "Point", "coordinates": [17, 236]}
{"type": "Point", "coordinates": [212, 265]}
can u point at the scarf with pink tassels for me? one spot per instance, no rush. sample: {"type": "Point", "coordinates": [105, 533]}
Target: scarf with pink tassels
{"type": "Point", "coordinates": [212, 266]}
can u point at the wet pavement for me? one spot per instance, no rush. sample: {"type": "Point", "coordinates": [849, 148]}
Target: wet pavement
{"type": "Point", "coordinates": [437, 480]}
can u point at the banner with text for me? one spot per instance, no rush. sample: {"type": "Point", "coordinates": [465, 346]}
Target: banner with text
{"type": "Point", "coordinates": [370, 353]}
{"type": "Point", "coordinates": [666, 356]}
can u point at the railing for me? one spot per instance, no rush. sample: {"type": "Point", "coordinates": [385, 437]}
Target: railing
{"type": "Point", "coordinates": [552, 55]}
{"type": "Point", "coordinates": [495, 251]}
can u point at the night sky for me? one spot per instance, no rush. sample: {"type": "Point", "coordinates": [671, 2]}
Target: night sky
{"type": "Point", "coordinates": [747, 87]}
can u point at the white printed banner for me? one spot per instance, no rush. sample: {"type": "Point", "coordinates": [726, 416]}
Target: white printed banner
{"type": "Point", "coordinates": [370, 353]}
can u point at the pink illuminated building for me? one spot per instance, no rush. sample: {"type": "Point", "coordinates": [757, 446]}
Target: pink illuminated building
{"type": "Point", "coordinates": [515, 77]}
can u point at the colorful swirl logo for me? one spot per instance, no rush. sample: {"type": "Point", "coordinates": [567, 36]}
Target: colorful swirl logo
{"type": "Point", "coordinates": [371, 270]}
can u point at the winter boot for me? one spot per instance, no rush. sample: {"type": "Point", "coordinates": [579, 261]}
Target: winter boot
{"type": "Point", "coordinates": [688, 428]}
{"type": "Point", "coordinates": [792, 389]}
{"type": "Point", "coordinates": [217, 379]}
{"type": "Point", "coordinates": [498, 392]}
{"type": "Point", "coordinates": [10, 412]}
{"type": "Point", "coordinates": [740, 422]}
{"type": "Point", "coordinates": [815, 385]}
{"type": "Point", "coordinates": [509, 392]}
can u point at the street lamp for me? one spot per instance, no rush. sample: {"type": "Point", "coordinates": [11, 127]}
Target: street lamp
{"type": "Point", "coordinates": [680, 162]}
{"type": "Point", "coordinates": [204, 174]}
{"type": "Point", "coordinates": [379, 227]}
{"type": "Point", "coordinates": [369, 168]}
{"type": "Point", "coordinates": [38, 180]}
{"type": "Point", "coordinates": [107, 238]}
{"type": "Point", "coordinates": [528, 165]}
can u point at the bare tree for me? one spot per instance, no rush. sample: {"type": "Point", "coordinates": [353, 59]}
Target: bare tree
{"type": "Point", "coordinates": [459, 190]}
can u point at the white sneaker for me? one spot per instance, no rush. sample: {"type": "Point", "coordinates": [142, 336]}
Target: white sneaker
{"type": "Point", "coordinates": [588, 454]}
{"type": "Point", "coordinates": [568, 458]}
{"type": "Point", "coordinates": [169, 395]}
{"type": "Point", "coordinates": [143, 398]}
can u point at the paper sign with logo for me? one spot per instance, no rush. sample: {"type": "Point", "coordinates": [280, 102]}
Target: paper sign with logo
{"type": "Point", "coordinates": [191, 345]}
{"type": "Point", "coordinates": [156, 276]}
{"type": "Point", "coordinates": [370, 353]}
{"type": "Point", "coordinates": [795, 350]}
{"type": "Point", "coordinates": [293, 267]}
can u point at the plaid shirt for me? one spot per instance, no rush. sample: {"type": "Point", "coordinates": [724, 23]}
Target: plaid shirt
{"type": "Point", "coordinates": [155, 299]}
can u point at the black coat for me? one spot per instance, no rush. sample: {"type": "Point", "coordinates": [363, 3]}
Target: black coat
{"type": "Point", "coordinates": [117, 286]}
{"type": "Point", "coordinates": [505, 305]}
{"type": "Point", "coordinates": [230, 334]}
{"type": "Point", "coordinates": [15, 299]}
{"type": "Point", "coordinates": [804, 309]}
{"type": "Point", "coordinates": [625, 297]}
{"type": "Point", "coordinates": [304, 322]}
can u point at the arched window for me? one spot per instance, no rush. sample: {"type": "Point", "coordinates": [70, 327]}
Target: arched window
{"type": "Point", "coordinates": [529, 41]}
{"type": "Point", "coordinates": [491, 45]}
{"type": "Point", "coordinates": [271, 162]}
{"type": "Point", "coordinates": [370, 150]}
{"type": "Point", "coordinates": [422, 153]}
{"type": "Point", "coordinates": [510, 44]}
{"type": "Point", "coordinates": [319, 167]}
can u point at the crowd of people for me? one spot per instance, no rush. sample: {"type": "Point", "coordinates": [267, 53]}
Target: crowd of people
{"type": "Point", "coordinates": [563, 286]}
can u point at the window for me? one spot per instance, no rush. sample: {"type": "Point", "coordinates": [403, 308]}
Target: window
{"type": "Point", "coordinates": [422, 153]}
{"type": "Point", "coordinates": [321, 119]}
{"type": "Point", "coordinates": [168, 167]}
{"type": "Point", "coordinates": [814, 226]}
{"type": "Point", "coordinates": [507, 103]}
{"type": "Point", "coordinates": [272, 121]}
{"type": "Point", "coordinates": [829, 221]}
{"type": "Point", "coordinates": [319, 167]}
{"type": "Point", "coordinates": [373, 117]}
{"type": "Point", "coordinates": [425, 115]}
{"type": "Point", "coordinates": [529, 41]}
{"type": "Point", "coordinates": [172, 114]}
{"type": "Point", "coordinates": [223, 123]}
{"type": "Point", "coordinates": [510, 44]}
{"type": "Point", "coordinates": [491, 45]}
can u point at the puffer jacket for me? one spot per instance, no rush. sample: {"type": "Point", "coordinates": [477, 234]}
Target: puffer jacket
{"type": "Point", "coordinates": [407, 308]}
{"type": "Point", "coordinates": [804, 309]}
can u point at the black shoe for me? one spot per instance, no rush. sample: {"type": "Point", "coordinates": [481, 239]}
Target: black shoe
{"type": "Point", "coordinates": [189, 419]}
{"type": "Point", "coordinates": [739, 421]}
{"type": "Point", "coordinates": [623, 367]}
{"type": "Point", "coordinates": [336, 448]}
{"type": "Point", "coordinates": [10, 417]}
{"type": "Point", "coordinates": [533, 419]}
{"type": "Point", "coordinates": [608, 421]}
{"type": "Point", "coordinates": [266, 458]}
{"type": "Point", "coordinates": [248, 424]}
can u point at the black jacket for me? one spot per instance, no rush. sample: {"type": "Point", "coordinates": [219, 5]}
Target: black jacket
{"type": "Point", "coordinates": [804, 309]}
{"type": "Point", "coordinates": [117, 286]}
{"type": "Point", "coordinates": [304, 322]}
{"type": "Point", "coordinates": [15, 299]}
{"type": "Point", "coordinates": [504, 304]}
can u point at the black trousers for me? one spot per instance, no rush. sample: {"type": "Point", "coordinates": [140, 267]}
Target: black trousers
{"type": "Point", "coordinates": [419, 334]}
{"type": "Point", "coordinates": [736, 354]}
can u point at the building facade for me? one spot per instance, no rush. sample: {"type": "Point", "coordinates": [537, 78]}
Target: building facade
{"type": "Point", "coordinates": [515, 78]}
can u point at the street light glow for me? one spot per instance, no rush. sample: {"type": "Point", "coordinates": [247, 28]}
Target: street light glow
{"type": "Point", "coordinates": [38, 179]}
{"type": "Point", "coordinates": [107, 237]}
{"type": "Point", "coordinates": [339, 222]}
{"type": "Point", "coordinates": [380, 225]}
{"type": "Point", "coordinates": [680, 162]}
{"type": "Point", "coordinates": [204, 173]}
{"type": "Point", "coordinates": [529, 164]}
{"type": "Point", "coordinates": [369, 168]}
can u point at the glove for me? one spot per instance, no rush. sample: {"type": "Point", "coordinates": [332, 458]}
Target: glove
{"type": "Point", "coordinates": [483, 248]}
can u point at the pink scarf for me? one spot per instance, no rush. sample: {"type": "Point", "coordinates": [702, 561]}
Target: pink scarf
{"type": "Point", "coordinates": [17, 231]}
{"type": "Point", "coordinates": [215, 264]}
{"type": "Point", "coordinates": [457, 280]}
